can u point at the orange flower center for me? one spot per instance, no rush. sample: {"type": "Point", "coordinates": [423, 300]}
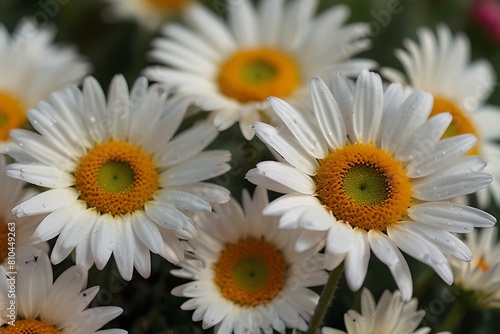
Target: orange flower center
{"type": "Point", "coordinates": [29, 326]}
{"type": "Point", "coordinates": [253, 75]}
{"type": "Point", "coordinates": [364, 186]}
{"type": "Point", "coordinates": [116, 178]}
{"type": "Point", "coordinates": [167, 5]}
{"type": "Point", "coordinates": [250, 272]}
{"type": "Point", "coordinates": [481, 264]}
{"type": "Point", "coordinates": [460, 124]}
{"type": "Point", "coordinates": [12, 114]}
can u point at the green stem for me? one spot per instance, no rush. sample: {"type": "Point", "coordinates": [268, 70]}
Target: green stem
{"type": "Point", "coordinates": [325, 299]}
{"type": "Point", "coordinates": [453, 318]}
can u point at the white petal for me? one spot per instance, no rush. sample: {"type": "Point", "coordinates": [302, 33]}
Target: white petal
{"type": "Point", "coordinates": [167, 216]}
{"type": "Point", "coordinates": [288, 176]}
{"type": "Point", "coordinates": [450, 186]}
{"type": "Point", "coordinates": [103, 241]}
{"type": "Point", "coordinates": [444, 153]}
{"type": "Point", "coordinates": [287, 202]}
{"type": "Point", "coordinates": [48, 201]}
{"type": "Point", "coordinates": [41, 175]}
{"type": "Point", "coordinates": [118, 111]}
{"type": "Point", "coordinates": [203, 166]}
{"type": "Point", "coordinates": [424, 139]}
{"type": "Point", "coordinates": [186, 145]}
{"type": "Point", "coordinates": [340, 238]}
{"type": "Point", "coordinates": [356, 261]}
{"type": "Point", "coordinates": [147, 231]}
{"type": "Point", "coordinates": [450, 216]}
{"type": "Point", "coordinates": [243, 22]}
{"type": "Point", "coordinates": [259, 178]}
{"type": "Point", "coordinates": [421, 250]}
{"type": "Point", "coordinates": [387, 252]}
{"type": "Point", "coordinates": [302, 128]}
{"type": "Point", "coordinates": [367, 106]}
{"type": "Point", "coordinates": [410, 115]}
{"type": "Point", "coordinates": [182, 200]}
{"type": "Point", "coordinates": [94, 109]}
{"type": "Point", "coordinates": [328, 114]}
{"type": "Point", "coordinates": [444, 240]}
{"type": "Point", "coordinates": [287, 147]}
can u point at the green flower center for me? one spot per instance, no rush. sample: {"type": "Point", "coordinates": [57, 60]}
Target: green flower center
{"type": "Point", "coordinates": [257, 72]}
{"type": "Point", "coordinates": [115, 176]}
{"type": "Point", "coordinates": [250, 274]}
{"type": "Point", "coordinates": [365, 185]}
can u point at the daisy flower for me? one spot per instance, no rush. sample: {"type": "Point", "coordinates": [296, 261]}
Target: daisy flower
{"type": "Point", "coordinates": [369, 172]}
{"type": "Point", "coordinates": [30, 69]}
{"type": "Point", "coordinates": [149, 13]}
{"type": "Point", "coordinates": [12, 192]}
{"type": "Point", "coordinates": [479, 280]}
{"type": "Point", "coordinates": [390, 315]}
{"type": "Point", "coordinates": [274, 49]}
{"type": "Point", "coordinates": [43, 306]}
{"type": "Point", "coordinates": [117, 181]}
{"type": "Point", "coordinates": [441, 66]}
{"type": "Point", "coordinates": [247, 276]}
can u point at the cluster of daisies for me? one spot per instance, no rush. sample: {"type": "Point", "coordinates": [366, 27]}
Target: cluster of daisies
{"type": "Point", "coordinates": [367, 160]}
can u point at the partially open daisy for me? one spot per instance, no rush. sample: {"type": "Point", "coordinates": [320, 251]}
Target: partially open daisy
{"type": "Point", "coordinates": [21, 244]}
{"type": "Point", "coordinates": [390, 315]}
{"type": "Point", "coordinates": [44, 306]}
{"type": "Point", "coordinates": [246, 274]}
{"type": "Point", "coordinates": [31, 68]}
{"type": "Point", "coordinates": [274, 49]}
{"type": "Point", "coordinates": [149, 13]}
{"type": "Point", "coordinates": [369, 172]}
{"type": "Point", "coordinates": [479, 280]}
{"type": "Point", "coordinates": [117, 181]}
{"type": "Point", "coordinates": [440, 65]}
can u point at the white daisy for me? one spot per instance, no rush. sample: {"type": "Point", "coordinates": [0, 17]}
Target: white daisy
{"type": "Point", "coordinates": [117, 181]}
{"type": "Point", "coordinates": [43, 306]}
{"type": "Point", "coordinates": [274, 49]}
{"type": "Point", "coordinates": [369, 172]}
{"type": "Point", "coordinates": [20, 230]}
{"type": "Point", "coordinates": [149, 13]}
{"type": "Point", "coordinates": [247, 276]}
{"type": "Point", "coordinates": [390, 315]}
{"type": "Point", "coordinates": [479, 280]}
{"type": "Point", "coordinates": [30, 69]}
{"type": "Point", "coordinates": [441, 66]}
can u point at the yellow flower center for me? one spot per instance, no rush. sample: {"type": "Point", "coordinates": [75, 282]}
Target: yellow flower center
{"type": "Point", "coordinates": [12, 114]}
{"type": "Point", "coordinates": [116, 178]}
{"type": "Point", "coordinates": [481, 264]}
{"type": "Point", "coordinates": [29, 326]}
{"type": "Point", "coordinates": [167, 5]}
{"type": "Point", "coordinates": [460, 124]}
{"type": "Point", "coordinates": [250, 272]}
{"type": "Point", "coordinates": [253, 75]}
{"type": "Point", "coordinates": [364, 186]}
{"type": "Point", "coordinates": [4, 250]}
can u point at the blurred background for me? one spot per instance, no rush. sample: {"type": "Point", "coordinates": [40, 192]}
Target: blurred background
{"type": "Point", "coordinates": [120, 46]}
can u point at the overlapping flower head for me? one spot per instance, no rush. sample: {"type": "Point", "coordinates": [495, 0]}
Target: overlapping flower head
{"type": "Point", "coordinates": [479, 280]}
{"type": "Point", "coordinates": [390, 315]}
{"type": "Point", "coordinates": [118, 181]}
{"type": "Point", "coordinates": [149, 13]}
{"type": "Point", "coordinates": [440, 64]}
{"type": "Point", "coordinates": [370, 172]}
{"type": "Point", "coordinates": [50, 307]}
{"type": "Point", "coordinates": [274, 49]}
{"type": "Point", "coordinates": [31, 68]}
{"type": "Point", "coordinates": [246, 274]}
{"type": "Point", "coordinates": [22, 244]}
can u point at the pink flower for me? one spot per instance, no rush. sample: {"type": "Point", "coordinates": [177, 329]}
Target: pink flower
{"type": "Point", "coordinates": [486, 13]}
